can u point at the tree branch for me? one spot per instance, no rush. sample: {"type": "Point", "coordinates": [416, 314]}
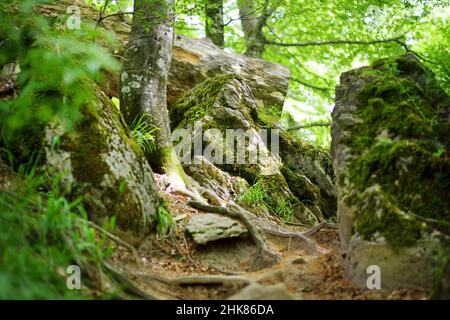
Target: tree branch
{"type": "Point", "coordinates": [309, 125]}
{"type": "Point", "coordinates": [333, 42]}
{"type": "Point", "coordinates": [414, 53]}
{"type": "Point", "coordinates": [311, 85]}
{"type": "Point", "coordinates": [298, 63]}
{"type": "Point", "coordinates": [241, 17]}
{"type": "Point", "coordinates": [112, 15]}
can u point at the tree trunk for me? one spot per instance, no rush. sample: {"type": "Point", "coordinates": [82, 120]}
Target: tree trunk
{"type": "Point", "coordinates": [214, 22]}
{"type": "Point", "coordinates": [143, 80]}
{"type": "Point", "coordinates": [252, 23]}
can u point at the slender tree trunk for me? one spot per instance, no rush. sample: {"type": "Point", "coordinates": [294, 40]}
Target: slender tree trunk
{"type": "Point", "coordinates": [214, 22]}
{"type": "Point", "coordinates": [252, 21]}
{"type": "Point", "coordinates": [143, 80]}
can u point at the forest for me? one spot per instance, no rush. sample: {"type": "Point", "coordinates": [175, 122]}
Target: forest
{"type": "Point", "coordinates": [224, 150]}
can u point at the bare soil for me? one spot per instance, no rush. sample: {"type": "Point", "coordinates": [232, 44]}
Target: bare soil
{"type": "Point", "coordinates": [305, 276]}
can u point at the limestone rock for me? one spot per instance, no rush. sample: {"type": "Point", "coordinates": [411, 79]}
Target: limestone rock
{"type": "Point", "coordinates": [193, 61]}
{"type": "Point", "coordinates": [101, 162]}
{"type": "Point", "coordinates": [308, 170]}
{"type": "Point", "coordinates": [209, 227]}
{"type": "Point", "coordinates": [256, 291]}
{"type": "Point", "coordinates": [224, 106]}
{"type": "Point", "coordinates": [196, 60]}
{"type": "Point", "coordinates": [217, 105]}
{"type": "Point", "coordinates": [226, 186]}
{"type": "Point", "coordinates": [390, 147]}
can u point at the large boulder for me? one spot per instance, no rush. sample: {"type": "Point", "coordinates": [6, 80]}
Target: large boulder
{"type": "Point", "coordinates": [308, 170]}
{"type": "Point", "coordinates": [209, 115]}
{"type": "Point", "coordinates": [208, 176]}
{"type": "Point", "coordinates": [193, 60]}
{"type": "Point", "coordinates": [102, 163]}
{"type": "Point", "coordinates": [196, 60]}
{"type": "Point", "coordinates": [390, 148]}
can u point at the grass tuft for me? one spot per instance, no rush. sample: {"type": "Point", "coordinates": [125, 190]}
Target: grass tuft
{"type": "Point", "coordinates": [143, 132]}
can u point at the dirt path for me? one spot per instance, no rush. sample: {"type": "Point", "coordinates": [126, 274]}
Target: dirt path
{"type": "Point", "coordinates": [176, 268]}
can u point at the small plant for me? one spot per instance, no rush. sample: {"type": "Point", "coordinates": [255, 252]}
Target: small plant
{"type": "Point", "coordinates": [54, 234]}
{"type": "Point", "coordinates": [256, 195]}
{"type": "Point", "coordinates": [384, 142]}
{"type": "Point", "coordinates": [142, 132]}
{"type": "Point", "coordinates": [284, 209]}
{"type": "Point", "coordinates": [439, 152]}
{"type": "Point", "coordinates": [270, 115]}
{"type": "Point", "coordinates": [164, 220]}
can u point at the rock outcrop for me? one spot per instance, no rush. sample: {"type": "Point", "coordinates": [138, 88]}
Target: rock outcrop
{"type": "Point", "coordinates": [208, 176]}
{"type": "Point", "coordinates": [221, 120]}
{"type": "Point", "coordinates": [308, 170]}
{"type": "Point", "coordinates": [103, 164]}
{"type": "Point", "coordinates": [390, 147]}
{"type": "Point", "coordinates": [196, 60]}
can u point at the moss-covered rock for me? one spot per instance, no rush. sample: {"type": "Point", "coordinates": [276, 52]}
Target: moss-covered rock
{"type": "Point", "coordinates": [308, 170]}
{"type": "Point", "coordinates": [196, 60]}
{"type": "Point", "coordinates": [225, 105]}
{"type": "Point", "coordinates": [391, 158]}
{"type": "Point", "coordinates": [102, 163]}
{"type": "Point", "coordinates": [226, 186]}
{"type": "Point", "coordinates": [193, 60]}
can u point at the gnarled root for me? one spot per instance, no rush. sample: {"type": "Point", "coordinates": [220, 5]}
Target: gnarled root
{"type": "Point", "coordinates": [266, 256]}
{"type": "Point", "coordinates": [319, 227]}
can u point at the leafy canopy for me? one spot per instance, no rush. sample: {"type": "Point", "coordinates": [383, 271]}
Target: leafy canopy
{"type": "Point", "coordinates": [318, 40]}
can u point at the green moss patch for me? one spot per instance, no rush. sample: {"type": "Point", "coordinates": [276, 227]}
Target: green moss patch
{"type": "Point", "coordinates": [381, 216]}
{"type": "Point", "coordinates": [198, 102]}
{"type": "Point", "coordinates": [401, 146]}
{"type": "Point", "coordinates": [87, 144]}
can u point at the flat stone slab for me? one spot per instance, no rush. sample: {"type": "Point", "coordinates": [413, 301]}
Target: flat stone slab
{"type": "Point", "coordinates": [210, 227]}
{"type": "Point", "coordinates": [256, 291]}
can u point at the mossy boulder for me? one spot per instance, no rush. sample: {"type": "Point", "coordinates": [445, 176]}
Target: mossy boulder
{"type": "Point", "coordinates": [226, 186]}
{"type": "Point", "coordinates": [390, 148]}
{"type": "Point", "coordinates": [196, 60]}
{"type": "Point", "coordinates": [224, 106]}
{"type": "Point", "coordinates": [100, 162]}
{"type": "Point", "coordinates": [193, 60]}
{"type": "Point", "coordinates": [308, 170]}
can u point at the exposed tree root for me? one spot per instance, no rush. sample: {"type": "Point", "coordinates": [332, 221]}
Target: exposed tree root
{"type": "Point", "coordinates": [285, 234]}
{"type": "Point", "coordinates": [211, 196]}
{"type": "Point", "coordinates": [267, 256]}
{"type": "Point", "coordinates": [191, 194]}
{"type": "Point", "coordinates": [180, 183]}
{"type": "Point", "coordinates": [126, 284]}
{"type": "Point", "coordinates": [117, 240]}
{"type": "Point", "coordinates": [219, 269]}
{"type": "Point", "coordinates": [197, 279]}
{"type": "Point", "coordinates": [236, 211]}
{"type": "Point", "coordinates": [211, 280]}
{"type": "Point", "coordinates": [319, 227]}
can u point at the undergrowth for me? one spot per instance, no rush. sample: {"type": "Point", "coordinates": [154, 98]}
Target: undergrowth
{"type": "Point", "coordinates": [54, 234]}
{"type": "Point", "coordinates": [257, 197]}
{"type": "Point", "coordinates": [43, 230]}
{"type": "Point", "coordinates": [143, 133]}
{"type": "Point", "coordinates": [164, 221]}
